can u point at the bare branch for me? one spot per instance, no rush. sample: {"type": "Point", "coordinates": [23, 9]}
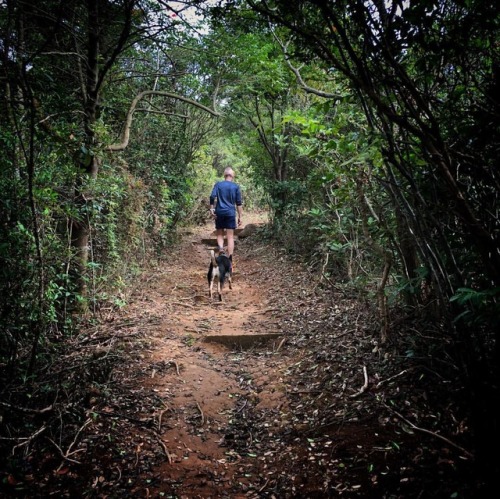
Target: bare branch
{"type": "Point", "coordinates": [128, 123]}
{"type": "Point", "coordinates": [26, 409]}
{"type": "Point", "coordinates": [300, 80]}
{"type": "Point", "coordinates": [29, 439]}
{"type": "Point", "coordinates": [365, 385]}
{"type": "Point", "coordinates": [428, 432]}
{"type": "Point", "coordinates": [165, 113]}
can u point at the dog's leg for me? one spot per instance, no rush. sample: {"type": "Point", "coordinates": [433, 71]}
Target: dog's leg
{"type": "Point", "coordinates": [230, 272]}
{"type": "Point", "coordinates": [210, 278]}
{"type": "Point", "coordinates": [212, 273]}
{"type": "Point", "coordinates": [219, 288]}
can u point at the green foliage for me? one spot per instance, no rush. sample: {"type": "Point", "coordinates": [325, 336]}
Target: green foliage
{"type": "Point", "coordinates": [33, 284]}
{"type": "Point", "coordinates": [339, 210]}
{"type": "Point", "coordinates": [133, 203]}
{"type": "Point", "coordinates": [116, 217]}
{"type": "Point", "coordinates": [209, 165]}
{"type": "Point", "coordinates": [481, 306]}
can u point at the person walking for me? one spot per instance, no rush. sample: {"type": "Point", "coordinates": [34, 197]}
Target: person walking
{"type": "Point", "coordinates": [227, 193]}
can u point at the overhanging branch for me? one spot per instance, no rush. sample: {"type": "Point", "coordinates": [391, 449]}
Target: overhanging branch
{"type": "Point", "coordinates": [128, 123]}
{"type": "Point", "coordinates": [298, 76]}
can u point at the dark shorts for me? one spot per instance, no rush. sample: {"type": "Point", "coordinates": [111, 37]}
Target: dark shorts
{"type": "Point", "coordinates": [225, 222]}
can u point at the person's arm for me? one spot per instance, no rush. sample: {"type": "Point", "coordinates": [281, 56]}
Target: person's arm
{"type": "Point", "coordinates": [239, 203]}
{"type": "Point", "coordinates": [240, 213]}
{"type": "Point", "coordinates": [213, 196]}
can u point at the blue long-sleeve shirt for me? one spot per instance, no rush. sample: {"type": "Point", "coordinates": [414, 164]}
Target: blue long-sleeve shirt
{"type": "Point", "coordinates": [228, 195]}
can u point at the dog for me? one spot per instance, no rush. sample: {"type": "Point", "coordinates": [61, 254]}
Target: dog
{"type": "Point", "coordinates": [219, 271]}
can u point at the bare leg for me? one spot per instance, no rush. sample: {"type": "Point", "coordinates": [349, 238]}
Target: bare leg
{"type": "Point", "coordinates": [230, 241]}
{"type": "Point", "coordinates": [220, 238]}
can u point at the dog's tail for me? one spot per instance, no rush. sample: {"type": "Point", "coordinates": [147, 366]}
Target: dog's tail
{"type": "Point", "coordinates": [212, 258]}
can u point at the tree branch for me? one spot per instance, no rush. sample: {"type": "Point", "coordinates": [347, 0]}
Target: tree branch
{"type": "Point", "coordinates": [128, 123]}
{"type": "Point", "coordinates": [302, 83]}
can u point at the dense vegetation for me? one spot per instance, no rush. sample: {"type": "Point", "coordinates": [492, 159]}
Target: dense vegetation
{"type": "Point", "coordinates": [370, 130]}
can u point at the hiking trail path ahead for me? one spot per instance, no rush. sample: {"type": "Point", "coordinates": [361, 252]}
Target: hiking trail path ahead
{"type": "Point", "coordinates": [209, 363]}
{"type": "Point", "coordinates": [203, 404]}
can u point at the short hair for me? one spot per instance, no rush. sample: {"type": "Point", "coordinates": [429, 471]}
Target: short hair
{"type": "Point", "coordinates": [228, 171]}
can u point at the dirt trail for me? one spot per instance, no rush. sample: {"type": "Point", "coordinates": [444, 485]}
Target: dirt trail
{"type": "Point", "coordinates": [301, 415]}
{"type": "Point", "coordinates": [319, 410]}
{"type": "Point", "coordinates": [204, 384]}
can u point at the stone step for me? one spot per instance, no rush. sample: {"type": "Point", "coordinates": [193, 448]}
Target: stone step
{"type": "Point", "coordinates": [242, 340]}
{"type": "Point", "coordinates": [212, 241]}
{"type": "Point", "coordinates": [247, 229]}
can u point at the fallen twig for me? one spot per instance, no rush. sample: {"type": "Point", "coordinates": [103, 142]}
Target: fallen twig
{"type": "Point", "coordinates": [267, 310]}
{"type": "Point", "coordinates": [66, 455]}
{"type": "Point", "coordinates": [164, 447]}
{"type": "Point", "coordinates": [243, 406]}
{"type": "Point", "coordinates": [27, 410]}
{"type": "Point", "coordinates": [380, 383]}
{"type": "Point", "coordinates": [145, 423]}
{"type": "Point", "coordinates": [428, 432]}
{"type": "Point", "coordinates": [264, 486]}
{"type": "Point", "coordinates": [176, 366]}
{"type": "Point", "coordinates": [281, 344]}
{"type": "Point", "coordinates": [160, 418]}
{"type": "Point", "coordinates": [119, 474]}
{"type": "Point", "coordinates": [137, 452]}
{"type": "Point", "coordinates": [201, 413]}
{"type": "Point", "coordinates": [29, 439]}
{"type": "Point", "coordinates": [364, 387]}
{"type": "Point", "coordinates": [181, 304]}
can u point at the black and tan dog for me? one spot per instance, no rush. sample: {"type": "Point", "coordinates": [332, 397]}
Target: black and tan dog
{"type": "Point", "coordinates": [219, 271]}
